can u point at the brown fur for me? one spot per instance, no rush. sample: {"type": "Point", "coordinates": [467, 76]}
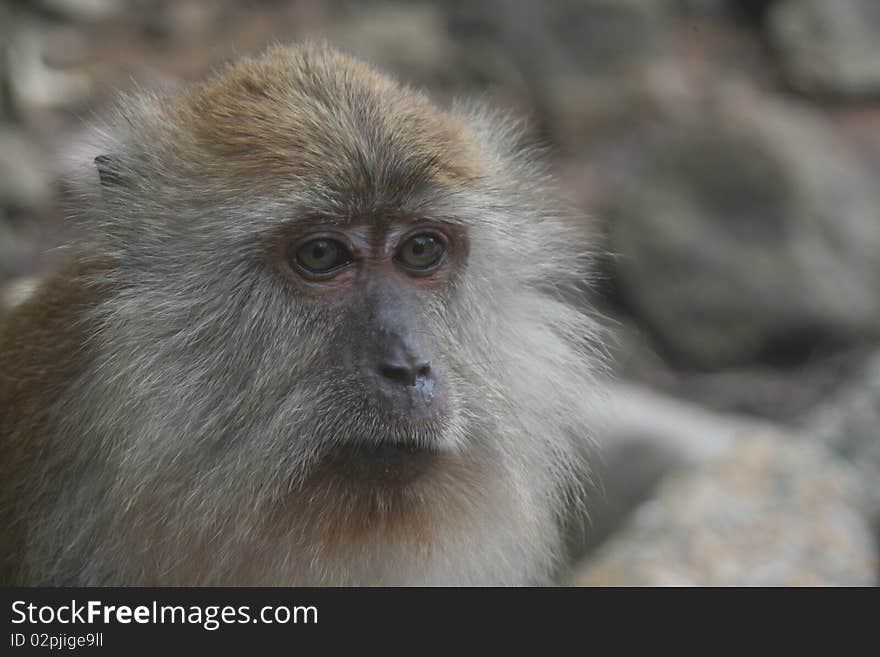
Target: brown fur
{"type": "Point", "coordinates": [43, 346]}
{"type": "Point", "coordinates": [243, 116]}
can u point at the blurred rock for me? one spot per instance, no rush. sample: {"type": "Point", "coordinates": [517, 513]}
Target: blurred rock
{"type": "Point", "coordinates": [34, 85]}
{"type": "Point", "coordinates": [749, 230]}
{"type": "Point", "coordinates": [776, 390]}
{"type": "Point", "coordinates": [596, 67]}
{"type": "Point", "coordinates": [774, 512]}
{"type": "Point", "coordinates": [598, 37]}
{"type": "Point", "coordinates": [15, 291]}
{"type": "Point", "coordinates": [689, 434]}
{"type": "Point", "coordinates": [409, 39]}
{"type": "Point", "coordinates": [611, 35]}
{"type": "Point", "coordinates": [850, 425]}
{"type": "Point", "coordinates": [25, 183]}
{"type": "Point", "coordinates": [582, 67]}
{"type": "Point", "coordinates": [82, 10]}
{"type": "Point", "coordinates": [708, 7]}
{"type": "Point", "coordinates": [585, 110]}
{"type": "Point", "coordinates": [643, 437]}
{"type": "Point", "coordinates": [829, 47]}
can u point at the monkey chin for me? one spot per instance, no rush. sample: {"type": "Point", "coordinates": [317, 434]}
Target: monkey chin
{"type": "Point", "coordinates": [387, 464]}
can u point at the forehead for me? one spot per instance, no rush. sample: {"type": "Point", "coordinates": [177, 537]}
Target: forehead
{"type": "Point", "coordinates": [312, 120]}
{"type": "Point", "coordinates": [286, 216]}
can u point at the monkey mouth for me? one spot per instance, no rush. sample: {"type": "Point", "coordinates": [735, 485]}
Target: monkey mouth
{"type": "Point", "coordinates": [386, 462]}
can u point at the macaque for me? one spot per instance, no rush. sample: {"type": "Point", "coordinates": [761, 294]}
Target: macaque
{"type": "Point", "coordinates": [316, 331]}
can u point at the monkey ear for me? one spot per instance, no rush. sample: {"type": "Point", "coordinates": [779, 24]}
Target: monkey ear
{"type": "Point", "coordinates": [108, 171]}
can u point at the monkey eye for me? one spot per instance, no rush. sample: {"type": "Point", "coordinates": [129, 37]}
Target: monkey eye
{"type": "Point", "coordinates": [421, 252]}
{"type": "Point", "coordinates": [322, 256]}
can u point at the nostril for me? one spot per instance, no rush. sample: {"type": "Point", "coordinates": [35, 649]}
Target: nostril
{"type": "Point", "coordinates": [403, 373]}
{"type": "Point", "coordinates": [398, 373]}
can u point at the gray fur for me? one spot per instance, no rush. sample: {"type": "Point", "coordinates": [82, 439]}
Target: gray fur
{"type": "Point", "coordinates": [210, 394]}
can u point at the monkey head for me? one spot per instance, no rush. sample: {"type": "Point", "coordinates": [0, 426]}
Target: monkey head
{"type": "Point", "coordinates": [327, 342]}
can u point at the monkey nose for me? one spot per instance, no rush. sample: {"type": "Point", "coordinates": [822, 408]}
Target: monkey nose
{"type": "Point", "coordinates": [404, 373]}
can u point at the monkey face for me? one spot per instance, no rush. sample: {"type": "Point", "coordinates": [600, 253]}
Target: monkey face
{"type": "Point", "coordinates": [377, 279]}
{"type": "Point", "coordinates": [318, 302]}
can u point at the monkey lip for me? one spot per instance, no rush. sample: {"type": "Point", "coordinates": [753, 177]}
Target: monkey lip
{"type": "Point", "coordinates": [385, 462]}
{"type": "Point", "coordinates": [426, 402]}
{"type": "Point", "coordinates": [382, 451]}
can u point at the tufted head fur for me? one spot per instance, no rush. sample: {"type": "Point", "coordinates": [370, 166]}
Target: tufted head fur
{"type": "Point", "coordinates": [167, 402]}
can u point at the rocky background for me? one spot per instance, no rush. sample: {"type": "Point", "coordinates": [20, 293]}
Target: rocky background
{"type": "Point", "coordinates": [725, 158]}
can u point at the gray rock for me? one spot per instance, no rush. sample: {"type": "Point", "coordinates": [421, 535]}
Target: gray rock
{"type": "Point", "coordinates": [774, 512]}
{"type": "Point", "coordinates": [409, 39]}
{"type": "Point", "coordinates": [705, 7]}
{"type": "Point", "coordinates": [25, 181]}
{"type": "Point", "coordinates": [850, 425]}
{"type": "Point", "coordinates": [83, 10]}
{"type": "Point", "coordinates": [644, 436]}
{"type": "Point", "coordinates": [748, 228]}
{"type": "Point", "coordinates": [582, 69]}
{"type": "Point", "coordinates": [611, 35]}
{"type": "Point", "coordinates": [689, 434]}
{"type": "Point", "coordinates": [33, 83]}
{"type": "Point", "coordinates": [601, 67]}
{"type": "Point", "coordinates": [16, 291]}
{"type": "Point", "coordinates": [829, 47]}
